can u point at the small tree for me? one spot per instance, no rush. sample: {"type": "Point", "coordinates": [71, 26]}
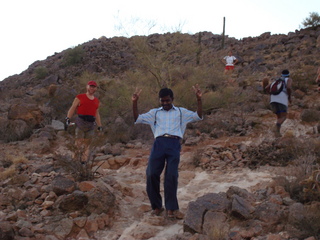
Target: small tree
{"type": "Point", "coordinates": [312, 21]}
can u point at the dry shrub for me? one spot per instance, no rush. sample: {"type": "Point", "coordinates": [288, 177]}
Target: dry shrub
{"type": "Point", "coordinates": [11, 163]}
{"type": "Point", "coordinates": [73, 56]}
{"type": "Point", "coordinates": [81, 169]}
{"type": "Point", "coordinates": [312, 219]}
{"type": "Point", "coordinates": [284, 153]}
{"type": "Point", "coordinates": [16, 93]}
{"type": "Point", "coordinates": [7, 173]}
{"type": "Point", "coordinates": [83, 79]}
{"type": "Point", "coordinates": [310, 115]}
{"type": "Point", "coordinates": [41, 72]}
{"type": "Point", "coordinates": [40, 95]}
{"type": "Point", "coordinates": [303, 174]}
{"type": "Point", "coordinates": [162, 55]}
{"type": "Point", "coordinates": [218, 232]}
{"type": "Point", "coordinates": [303, 78]}
{"type": "Point", "coordinates": [52, 90]}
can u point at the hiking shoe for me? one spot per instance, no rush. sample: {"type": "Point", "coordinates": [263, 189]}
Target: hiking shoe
{"type": "Point", "coordinates": [157, 211]}
{"type": "Point", "coordinates": [175, 214]}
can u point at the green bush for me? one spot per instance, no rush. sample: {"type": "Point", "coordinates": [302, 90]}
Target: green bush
{"type": "Point", "coordinates": [73, 56]}
{"type": "Point", "coordinates": [41, 72]}
{"type": "Point", "coordinates": [312, 21]}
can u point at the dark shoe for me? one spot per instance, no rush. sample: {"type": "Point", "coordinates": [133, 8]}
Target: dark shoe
{"type": "Point", "coordinates": [157, 211]}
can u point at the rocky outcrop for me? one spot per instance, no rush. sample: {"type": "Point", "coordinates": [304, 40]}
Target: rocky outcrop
{"type": "Point", "coordinates": [238, 214]}
{"type": "Point", "coordinates": [113, 58]}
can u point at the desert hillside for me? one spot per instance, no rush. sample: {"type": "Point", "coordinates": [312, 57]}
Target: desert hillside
{"type": "Point", "coordinates": [236, 179]}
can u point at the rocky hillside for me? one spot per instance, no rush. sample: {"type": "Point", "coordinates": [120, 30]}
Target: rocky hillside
{"type": "Point", "coordinates": [237, 181]}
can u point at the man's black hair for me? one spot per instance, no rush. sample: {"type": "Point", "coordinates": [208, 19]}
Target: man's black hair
{"type": "Point", "coordinates": [165, 92]}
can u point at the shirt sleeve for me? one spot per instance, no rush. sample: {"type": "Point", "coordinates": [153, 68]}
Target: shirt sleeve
{"type": "Point", "coordinates": [189, 116]}
{"type": "Point", "coordinates": [147, 118]}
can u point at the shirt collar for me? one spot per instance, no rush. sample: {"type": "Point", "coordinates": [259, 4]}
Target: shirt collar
{"type": "Point", "coordinates": [173, 108]}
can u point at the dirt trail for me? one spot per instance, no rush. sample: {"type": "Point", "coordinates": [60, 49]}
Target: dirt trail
{"type": "Point", "coordinates": [193, 183]}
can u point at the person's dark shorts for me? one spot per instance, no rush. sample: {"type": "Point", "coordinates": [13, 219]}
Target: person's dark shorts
{"type": "Point", "coordinates": [278, 108]}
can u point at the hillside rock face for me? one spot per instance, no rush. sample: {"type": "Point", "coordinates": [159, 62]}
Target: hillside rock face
{"type": "Point", "coordinates": [236, 180]}
{"type": "Point", "coordinates": [261, 56]}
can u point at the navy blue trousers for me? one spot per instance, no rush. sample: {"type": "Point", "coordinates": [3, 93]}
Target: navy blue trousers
{"type": "Point", "coordinates": [165, 153]}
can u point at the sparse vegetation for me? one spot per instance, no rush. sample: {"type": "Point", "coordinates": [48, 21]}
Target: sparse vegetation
{"type": "Point", "coordinates": [174, 60]}
{"type": "Point", "coordinates": [73, 56]}
{"type": "Point", "coordinates": [41, 72]}
{"type": "Point", "coordinates": [11, 164]}
{"type": "Point", "coordinates": [81, 169]}
{"type": "Point", "coordinates": [312, 21]}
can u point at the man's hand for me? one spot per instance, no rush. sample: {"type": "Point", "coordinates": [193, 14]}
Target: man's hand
{"type": "Point", "coordinates": [136, 95]}
{"type": "Point", "coordinates": [197, 91]}
{"type": "Point", "coordinates": [134, 99]}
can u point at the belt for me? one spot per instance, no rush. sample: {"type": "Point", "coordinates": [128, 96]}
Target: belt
{"type": "Point", "coordinates": [170, 136]}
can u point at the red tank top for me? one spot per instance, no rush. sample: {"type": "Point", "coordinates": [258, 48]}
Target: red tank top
{"type": "Point", "coordinates": [87, 106]}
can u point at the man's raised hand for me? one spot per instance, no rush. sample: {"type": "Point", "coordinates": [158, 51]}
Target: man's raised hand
{"type": "Point", "coordinates": [197, 91]}
{"type": "Point", "coordinates": [136, 94]}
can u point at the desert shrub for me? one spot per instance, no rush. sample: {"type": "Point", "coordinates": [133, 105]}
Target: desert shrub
{"type": "Point", "coordinates": [311, 221]}
{"type": "Point", "coordinates": [11, 163]}
{"type": "Point", "coordinates": [81, 169]}
{"type": "Point", "coordinates": [303, 78]}
{"type": "Point", "coordinates": [283, 153]}
{"type": "Point", "coordinates": [40, 95]}
{"type": "Point", "coordinates": [73, 56]}
{"type": "Point", "coordinates": [80, 82]}
{"type": "Point", "coordinates": [7, 173]}
{"type": "Point", "coordinates": [310, 115]}
{"type": "Point", "coordinates": [41, 72]}
{"type": "Point", "coordinates": [16, 93]}
{"type": "Point", "coordinates": [312, 21]}
{"type": "Point", "coordinates": [160, 57]}
{"type": "Point", "coordinates": [218, 231]}
{"type": "Point", "coordinates": [302, 173]}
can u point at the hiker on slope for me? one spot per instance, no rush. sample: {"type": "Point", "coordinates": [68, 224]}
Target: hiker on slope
{"type": "Point", "coordinates": [229, 62]}
{"type": "Point", "coordinates": [279, 103]}
{"type": "Point", "coordinates": [87, 107]}
{"type": "Point", "coordinates": [168, 124]}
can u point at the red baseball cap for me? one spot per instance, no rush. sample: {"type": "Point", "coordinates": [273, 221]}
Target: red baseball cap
{"type": "Point", "coordinates": [92, 83]}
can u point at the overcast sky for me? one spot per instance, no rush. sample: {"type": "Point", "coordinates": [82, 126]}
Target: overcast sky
{"type": "Point", "coordinates": [32, 30]}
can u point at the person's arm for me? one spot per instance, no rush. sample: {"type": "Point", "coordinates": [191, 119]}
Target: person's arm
{"type": "Point", "coordinates": [73, 108]}
{"type": "Point", "coordinates": [98, 120]}
{"type": "Point", "coordinates": [235, 61]}
{"type": "Point", "coordinates": [198, 93]}
{"type": "Point", "coordinates": [134, 99]}
{"type": "Point", "coordinates": [267, 88]}
{"type": "Point", "coordinates": [289, 88]}
{"type": "Point", "coordinates": [223, 60]}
